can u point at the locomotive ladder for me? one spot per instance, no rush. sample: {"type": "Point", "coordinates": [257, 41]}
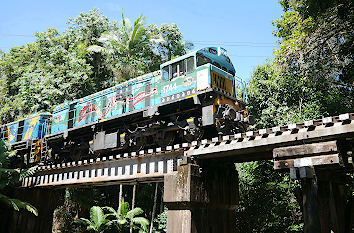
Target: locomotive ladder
{"type": "Point", "coordinates": [38, 148]}
{"type": "Point", "coordinates": [33, 150]}
{"type": "Point", "coordinates": [44, 151]}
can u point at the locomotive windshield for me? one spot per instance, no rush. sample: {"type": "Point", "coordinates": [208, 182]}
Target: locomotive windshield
{"type": "Point", "coordinates": [187, 63]}
{"type": "Point", "coordinates": [217, 57]}
{"type": "Point", "coordinates": [202, 60]}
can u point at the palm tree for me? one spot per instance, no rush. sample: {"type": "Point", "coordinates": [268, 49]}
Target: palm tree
{"type": "Point", "coordinates": [126, 46]}
{"type": "Point", "coordinates": [123, 218]}
{"type": "Point", "coordinates": [98, 221]}
{"type": "Point", "coordinates": [11, 177]}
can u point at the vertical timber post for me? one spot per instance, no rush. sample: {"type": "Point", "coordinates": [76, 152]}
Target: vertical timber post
{"type": "Point", "coordinates": [120, 198]}
{"type": "Point", "coordinates": [324, 202]}
{"type": "Point", "coordinates": [310, 204]}
{"type": "Point", "coordinates": [153, 208]}
{"type": "Point", "coordinates": [201, 198]}
{"type": "Point", "coordinates": [322, 168]}
{"type": "Point", "coordinates": [133, 205]}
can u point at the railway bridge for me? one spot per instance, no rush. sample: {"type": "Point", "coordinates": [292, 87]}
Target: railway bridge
{"type": "Point", "coordinates": [200, 180]}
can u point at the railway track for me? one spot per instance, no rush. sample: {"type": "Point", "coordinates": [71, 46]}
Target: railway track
{"type": "Point", "coordinates": [156, 162]}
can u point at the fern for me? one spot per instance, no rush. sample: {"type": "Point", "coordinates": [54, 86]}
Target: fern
{"type": "Point", "coordinates": [10, 176]}
{"type": "Point", "coordinates": [17, 204]}
{"type": "Point", "coordinates": [27, 172]}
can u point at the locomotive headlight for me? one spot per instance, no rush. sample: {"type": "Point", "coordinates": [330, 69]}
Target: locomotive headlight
{"type": "Point", "coordinates": [202, 79]}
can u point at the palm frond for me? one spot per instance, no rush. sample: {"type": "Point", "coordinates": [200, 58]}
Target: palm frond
{"type": "Point", "coordinates": [97, 215]}
{"type": "Point", "coordinates": [8, 170]}
{"type": "Point", "coordinates": [124, 208]}
{"type": "Point", "coordinates": [138, 30]}
{"type": "Point", "coordinates": [27, 172]}
{"type": "Point", "coordinates": [17, 204]}
{"type": "Point", "coordinates": [122, 221]}
{"type": "Point", "coordinates": [83, 220]}
{"type": "Point", "coordinates": [141, 221]}
{"type": "Point", "coordinates": [134, 212]}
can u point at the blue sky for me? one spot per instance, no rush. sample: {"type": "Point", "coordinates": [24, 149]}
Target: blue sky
{"type": "Point", "coordinates": [244, 28]}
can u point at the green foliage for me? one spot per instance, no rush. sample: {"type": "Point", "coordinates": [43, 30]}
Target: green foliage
{"type": "Point", "coordinates": [10, 177]}
{"type": "Point", "coordinates": [135, 49]}
{"type": "Point", "coordinates": [92, 54]}
{"type": "Point", "coordinates": [310, 77]}
{"type": "Point", "coordinates": [167, 41]}
{"type": "Point", "coordinates": [76, 203]}
{"type": "Point", "coordinates": [123, 218]}
{"type": "Point", "coordinates": [313, 68]}
{"type": "Point", "coordinates": [267, 201]}
{"type": "Point", "coordinates": [98, 221]}
{"type": "Point", "coordinates": [161, 221]}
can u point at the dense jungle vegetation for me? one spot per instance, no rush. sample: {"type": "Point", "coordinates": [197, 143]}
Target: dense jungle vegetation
{"type": "Point", "coordinates": [311, 76]}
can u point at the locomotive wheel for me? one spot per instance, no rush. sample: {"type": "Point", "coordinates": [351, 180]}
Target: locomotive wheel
{"type": "Point", "coordinates": [76, 154]}
{"type": "Point", "coordinates": [193, 135]}
{"type": "Point", "coordinates": [227, 128]}
{"type": "Point", "coordinates": [163, 139]}
{"type": "Point", "coordinates": [137, 143]}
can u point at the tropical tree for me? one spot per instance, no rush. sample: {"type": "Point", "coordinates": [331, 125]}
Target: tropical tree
{"type": "Point", "coordinates": [313, 67]}
{"type": "Point", "coordinates": [92, 54]}
{"type": "Point", "coordinates": [128, 46]}
{"type": "Point", "coordinates": [135, 48]}
{"type": "Point", "coordinates": [310, 77]}
{"type": "Point", "coordinates": [123, 218]}
{"type": "Point", "coordinates": [10, 177]}
{"type": "Point", "coordinates": [168, 41]}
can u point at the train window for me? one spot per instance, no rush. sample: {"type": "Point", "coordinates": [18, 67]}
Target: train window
{"type": "Point", "coordinates": [231, 72]}
{"type": "Point", "coordinates": [202, 60]}
{"type": "Point", "coordinates": [190, 64]}
{"type": "Point", "coordinates": [213, 51]}
{"type": "Point", "coordinates": [178, 69]}
{"type": "Point", "coordinates": [224, 68]}
{"type": "Point", "coordinates": [182, 67]}
{"type": "Point", "coordinates": [174, 70]}
{"type": "Point", "coordinates": [165, 72]}
{"type": "Point", "coordinates": [228, 60]}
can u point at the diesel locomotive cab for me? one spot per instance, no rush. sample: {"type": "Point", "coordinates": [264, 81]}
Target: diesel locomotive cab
{"type": "Point", "coordinates": [216, 88]}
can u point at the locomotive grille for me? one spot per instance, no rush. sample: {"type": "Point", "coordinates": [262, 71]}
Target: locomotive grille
{"type": "Point", "coordinates": [221, 82]}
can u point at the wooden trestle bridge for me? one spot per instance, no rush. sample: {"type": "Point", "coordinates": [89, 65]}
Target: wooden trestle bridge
{"type": "Point", "coordinates": [200, 181]}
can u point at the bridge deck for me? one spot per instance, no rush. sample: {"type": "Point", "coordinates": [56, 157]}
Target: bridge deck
{"type": "Point", "coordinates": [143, 168]}
{"type": "Point", "coordinates": [258, 145]}
{"type": "Point", "coordinates": [154, 164]}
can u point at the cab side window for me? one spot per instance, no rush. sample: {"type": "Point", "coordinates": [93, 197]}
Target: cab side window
{"type": "Point", "coordinates": [179, 68]}
{"type": "Point", "coordinates": [166, 73]}
{"type": "Point", "coordinates": [174, 70]}
{"type": "Point", "coordinates": [190, 64]}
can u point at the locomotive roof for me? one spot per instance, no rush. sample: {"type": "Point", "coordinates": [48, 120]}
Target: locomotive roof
{"type": "Point", "coordinates": [203, 51]}
{"type": "Point", "coordinates": [28, 117]}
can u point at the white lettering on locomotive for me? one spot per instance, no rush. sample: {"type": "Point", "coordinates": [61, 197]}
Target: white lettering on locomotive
{"type": "Point", "coordinates": [169, 87]}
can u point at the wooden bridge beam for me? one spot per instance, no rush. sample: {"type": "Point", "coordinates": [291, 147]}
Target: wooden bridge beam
{"type": "Point", "coordinates": [322, 169]}
{"type": "Point", "coordinates": [202, 198]}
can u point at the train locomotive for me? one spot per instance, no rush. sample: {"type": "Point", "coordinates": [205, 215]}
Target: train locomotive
{"type": "Point", "coordinates": [193, 96]}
